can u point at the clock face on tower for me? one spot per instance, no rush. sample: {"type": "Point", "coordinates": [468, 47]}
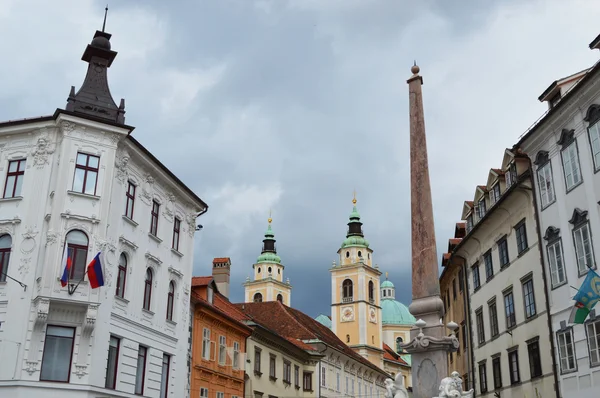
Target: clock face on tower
{"type": "Point", "coordinates": [372, 315]}
{"type": "Point", "coordinates": [347, 314]}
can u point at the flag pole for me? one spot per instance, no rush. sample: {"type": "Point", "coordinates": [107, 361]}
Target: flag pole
{"type": "Point", "coordinates": [71, 289]}
{"type": "Point", "coordinates": [24, 286]}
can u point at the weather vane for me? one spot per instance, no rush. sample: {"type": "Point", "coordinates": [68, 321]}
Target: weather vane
{"type": "Point", "coordinates": [354, 197]}
{"type": "Point", "coordinates": [270, 219]}
{"type": "Point", "coordinates": [104, 23]}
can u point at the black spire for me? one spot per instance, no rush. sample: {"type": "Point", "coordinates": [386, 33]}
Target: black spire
{"type": "Point", "coordinates": [354, 225]}
{"type": "Point", "coordinates": [269, 240]}
{"type": "Point", "coordinates": [94, 98]}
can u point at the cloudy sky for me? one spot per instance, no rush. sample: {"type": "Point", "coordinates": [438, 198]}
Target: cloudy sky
{"type": "Point", "coordinates": [290, 105]}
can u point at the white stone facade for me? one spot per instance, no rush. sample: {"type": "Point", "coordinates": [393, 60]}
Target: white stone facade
{"type": "Point", "coordinates": [38, 219]}
{"type": "Point", "coordinates": [564, 150]}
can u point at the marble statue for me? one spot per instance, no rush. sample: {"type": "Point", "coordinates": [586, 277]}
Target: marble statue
{"type": "Point", "coordinates": [451, 387]}
{"type": "Point", "coordinates": [395, 389]}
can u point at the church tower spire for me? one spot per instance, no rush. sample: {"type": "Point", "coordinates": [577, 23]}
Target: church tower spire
{"type": "Point", "coordinates": [355, 299]}
{"type": "Point", "coordinates": [268, 284]}
{"type": "Point", "coordinates": [94, 97]}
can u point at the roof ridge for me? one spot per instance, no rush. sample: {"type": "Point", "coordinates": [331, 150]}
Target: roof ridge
{"type": "Point", "coordinates": [310, 332]}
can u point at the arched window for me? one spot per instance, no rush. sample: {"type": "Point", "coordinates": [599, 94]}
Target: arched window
{"type": "Point", "coordinates": [347, 338]}
{"type": "Point", "coordinates": [77, 247]}
{"type": "Point", "coordinates": [148, 289]}
{"type": "Point", "coordinates": [5, 244]}
{"type": "Point", "coordinates": [258, 298]}
{"type": "Point", "coordinates": [280, 298]}
{"type": "Point", "coordinates": [347, 290]}
{"type": "Point", "coordinates": [270, 270]}
{"type": "Point", "coordinates": [121, 276]}
{"type": "Point", "coordinates": [371, 291]}
{"type": "Point", "coordinates": [398, 344]}
{"type": "Point", "coordinates": [170, 300]}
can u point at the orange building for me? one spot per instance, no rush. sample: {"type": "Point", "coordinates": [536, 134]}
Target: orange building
{"type": "Point", "coordinates": [218, 343]}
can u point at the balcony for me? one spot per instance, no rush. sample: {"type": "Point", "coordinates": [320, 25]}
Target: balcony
{"type": "Point", "coordinates": [347, 299]}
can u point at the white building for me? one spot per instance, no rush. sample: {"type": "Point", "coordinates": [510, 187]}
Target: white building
{"type": "Point", "coordinates": [78, 178]}
{"type": "Point", "coordinates": [511, 344]}
{"type": "Point", "coordinates": [564, 149]}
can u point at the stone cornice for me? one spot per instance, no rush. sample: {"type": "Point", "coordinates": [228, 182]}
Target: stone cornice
{"type": "Point", "coordinates": [148, 329]}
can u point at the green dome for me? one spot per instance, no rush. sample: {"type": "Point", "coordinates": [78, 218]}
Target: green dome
{"type": "Point", "coordinates": [354, 215]}
{"type": "Point", "coordinates": [387, 283]}
{"type": "Point", "coordinates": [395, 313]}
{"type": "Point", "coordinates": [355, 241]}
{"type": "Point", "coordinates": [269, 257]}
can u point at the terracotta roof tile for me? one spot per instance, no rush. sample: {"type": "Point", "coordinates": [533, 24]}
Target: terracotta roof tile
{"type": "Point", "coordinates": [201, 280]}
{"type": "Point", "coordinates": [300, 344]}
{"type": "Point", "coordinates": [469, 203]}
{"type": "Point", "coordinates": [454, 241]}
{"type": "Point", "coordinates": [498, 171]}
{"type": "Point", "coordinates": [221, 260]}
{"type": "Point", "coordinates": [293, 324]}
{"type": "Point", "coordinates": [461, 225]}
{"type": "Point", "coordinates": [391, 355]}
{"type": "Point", "coordinates": [230, 309]}
{"type": "Point", "coordinates": [482, 187]}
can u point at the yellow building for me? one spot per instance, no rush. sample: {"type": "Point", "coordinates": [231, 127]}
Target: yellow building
{"type": "Point", "coordinates": [355, 305]}
{"type": "Point", "coordinates": [268, 284]}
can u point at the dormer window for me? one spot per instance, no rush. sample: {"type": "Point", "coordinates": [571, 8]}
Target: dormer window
{"type": "Point", "coordinates": [209, 294]}
{"type": "Point", "coordinates": [511, 176]}
{"type": "Point", "coordinates": [469, 223]}
{"type": "Point", "coordinates": [554, 100]}
{"type": "Point", "coordinates": [495, 193]}
{"type": "Point", "coordinates": [481, 208]}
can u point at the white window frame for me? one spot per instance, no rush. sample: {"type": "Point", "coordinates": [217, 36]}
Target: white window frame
{"type": "Point", "coordinates": [495, 193]}
{"type": "Point", "coordinates": [236, 355]}
{"type": "Point", "coordinates": [220, 394]}
{"type": "Point", "coordinates": [203, 392]}
{"type": "Point", "coordinates": [594, 136]}
{"type": "Point", "coordinates": [592, 331]}
{"type": "Point", "coordinates": [206, 344]}
{"type": "Point", "coordinates": [581, 251]}
{"type": "Point", "coordinates": [323, 376]}
{"type": "Point", "coordinates": [556, 263]}
{"type": "Point", "coordinates": [546, 185]}
{"type": "Point", "coordinates": [571, 166]}
{"type": "Point", "coordinates": [564, 340]}
{"type": "Point", "coordinates": [222, 350]}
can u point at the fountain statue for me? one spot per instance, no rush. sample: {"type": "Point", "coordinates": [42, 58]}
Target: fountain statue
{"type": "Point", "coordinates": [395, 389]}
{"type": "Point", "coordinates": [451, 387]}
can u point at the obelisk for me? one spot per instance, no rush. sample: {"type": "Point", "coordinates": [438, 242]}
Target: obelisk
{"type": "Point", "coordinates": [429, 360]}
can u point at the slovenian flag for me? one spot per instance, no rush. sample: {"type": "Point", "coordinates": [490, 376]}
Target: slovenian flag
{"type": "Point", "coordinates": [94, 271]}
{"type": "Point", "coordinates": [586, 298]}
{"type": "Point", "coordinates": [66, 263]}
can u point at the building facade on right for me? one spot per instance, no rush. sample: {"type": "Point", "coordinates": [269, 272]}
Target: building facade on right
{"type": "Point", "coordinates": [564, 149]}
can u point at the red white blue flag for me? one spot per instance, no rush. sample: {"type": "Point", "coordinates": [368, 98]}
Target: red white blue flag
{"type": "Point", "coordinates": [94, 271]}
{"type": "Point", "coordinates": [66, 263]}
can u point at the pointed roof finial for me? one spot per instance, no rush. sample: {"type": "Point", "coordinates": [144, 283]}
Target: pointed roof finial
{"type": "Point", "coordinates": [415, 69]}
{"type": "Point", "coordinates": [104, 23]}
{"type": "Point", "coordinates": [354, 197]}
{"type": "Point", "coordinates": [386, 275]}
{"type": "Point", "coordinates": [270, 220]}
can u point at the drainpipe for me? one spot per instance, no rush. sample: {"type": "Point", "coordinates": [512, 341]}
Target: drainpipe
{"type": "Point", "coordinates": [540, 245]}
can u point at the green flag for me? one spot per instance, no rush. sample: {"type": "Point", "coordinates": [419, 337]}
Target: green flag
{"type": "Point", "coordinates": [586, 298]}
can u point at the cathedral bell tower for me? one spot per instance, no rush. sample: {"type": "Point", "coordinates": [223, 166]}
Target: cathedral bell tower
{"type": "Point", "coordinates": [355, 308]}
{"type": "Point", "coordinates": [268, 284]}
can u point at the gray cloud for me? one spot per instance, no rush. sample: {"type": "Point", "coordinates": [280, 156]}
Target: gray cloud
{"type": "Point", "coordinates": [292, 104]}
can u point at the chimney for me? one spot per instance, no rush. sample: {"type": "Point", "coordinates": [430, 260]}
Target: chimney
{"type": "Point", "coordinates": [221, 272]}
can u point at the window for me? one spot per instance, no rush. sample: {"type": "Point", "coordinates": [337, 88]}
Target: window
{"type": "Point", "coordinates": [14, 178]}
{"type": "Point", "coordinates": [480, 329]}
{"type": "Point", "coordinates": [77, 248]}
{"type": "Point", "coordinates": [206, 344]}
{"type": "Point", "coordinates": [307, 381]}
{"type": "Point", "coordinates": [222, 350]}
{"type": "Point", "coordinates": [297, 377]}
{"type": "Point", "coordinates": [347, 291]}
{"type": "Point", "coordinates": [280, 298]}
{"type": "Point", "coordinates": [170, 300]}
{"type": "Point", "coordinates": [513, 367]}
{"type": "Point", "coordinates": [495, 194]}
{"type": "Point", "coordinates": [287, 372]}
{"type": "Point", "coordinates": [481, 208]}
{"type": "Point", "coordinates": [461, 280]}
{"type": "Point", "coordinates": [493, 319]}
{"type": "Point", "coordinates": [222, 394]}
{"type": "Point", "coordinates": [111, 363]}
{"type": "Point", "coordinates": [5, 247]}
{"type": "Point", "coordinates": [583, 248]}
{"type": "Point", "coordinates": [130, 200]}
{"type": "Point", "coordinates": [210, 294]}
{"type": "Point", "coordinates": [141, 370]}
{"type": "Point", "coordinates": [469, 223]}
{"type": "Point", "coordinates": [482, 378]}
{"type": "Point", "coordinates": [529, 298]}
{"type": "Point", "coordinates": [503, 252]}
{"type": "Point", "coordinates": [497, 372]}
{"type": "Point", "coordinates": [86, 174]}
{"type": "Point", "coordinates": [399, 342]}
{"type": "Point", "coordinates": [204, 392]}
{"type": "Point", "coordinates": [593, 335]}
{"type": "Point", "coordinates": [176, 227]}
{"type": "Point", "coordinates": [511, 176]}
{"type": "Point", "coordinates": [371, 291]}
{"type": "Point", "coordinates": [324, 374]}
{"type": "Point", "coordinates": [121, 276]}
{"type": "Point", "coordinates": [258, 298]}
{"type": "Point", "coordinates": [236, 355]}
{"type": "Point", "coordinates": [509, 309]}
{"type": "Point", "coordinates": [555, 259]}
{"type": "Point", "coordinates": [546, 185]}
{"type": "Point", "coordinates": [257, 353]}
{"type": "Point", "coordinates": [154, 218]}
{"type": "Point", "coordinates": [148, 290]}
{"type": "Point", "coordinates": [521, 237]}
{"type": "Point", "coordinates": [535, 362]}
{"type": "Point", "coordinates": [594, 134]}
{"type": "Point", "coordinates": [489, 267]}
{"type": "Point", "coordinates": [58, 352]}
{"type": "Point", "coordinates": [570, 160]}
{"type": "Point", "coordinates": [463, 327]}
{"type": "Point", "coordinates": [164, 377]}
{"type": "Point", "coordinates": [476, 280]}
{"type": "Point", "coordinates": [272, 367]}
{"type": "Point", "coordinates": [566, 351]}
